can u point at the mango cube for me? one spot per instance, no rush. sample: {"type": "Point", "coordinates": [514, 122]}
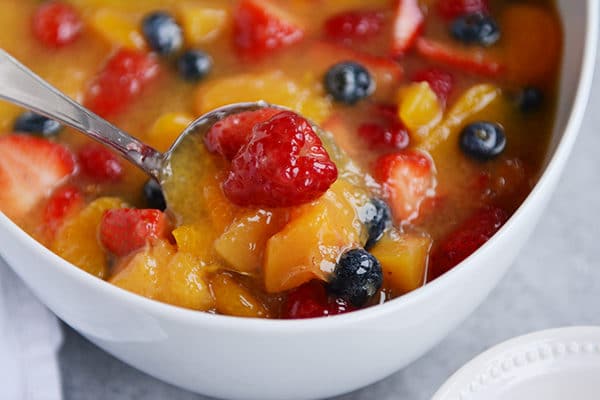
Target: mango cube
{"type": "Point", "coordinates": [202, 24]}
{"type": "Point", "coordinates": [418, 108]}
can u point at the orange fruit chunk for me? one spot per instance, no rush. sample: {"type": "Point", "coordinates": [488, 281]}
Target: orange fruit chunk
{"type": "Point", "coordinates": [232, 298]}
{"type": "Point", "coordinates": [117, 28]}
{"type": "Point", "coordinates": [418, 108]}
{"type": "Point", "coordinates": [533, 43]}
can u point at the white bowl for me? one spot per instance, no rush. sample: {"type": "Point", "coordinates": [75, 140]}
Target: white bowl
{"type": "Point", "coordinates": [552, 365]}
{"type": "Point", "coordinates": [256, 359]}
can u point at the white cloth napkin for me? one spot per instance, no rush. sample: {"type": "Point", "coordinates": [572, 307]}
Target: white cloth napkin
{"type": "Point", "coordinates": [30, 337]}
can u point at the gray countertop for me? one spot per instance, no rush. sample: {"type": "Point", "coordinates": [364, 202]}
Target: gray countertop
{"type": "Point", "coordinates": [554, 282]}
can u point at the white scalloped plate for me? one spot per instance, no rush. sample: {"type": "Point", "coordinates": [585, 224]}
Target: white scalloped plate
{"type": "Point", "coordinates": [556, 364]}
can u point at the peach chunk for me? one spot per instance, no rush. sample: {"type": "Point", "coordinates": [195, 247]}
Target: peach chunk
{"type": "Point", "coordinates": [159, 272]}
{"type": "Point", "coordinates": [309, 246]}
{"type": "Point", "coordinates": [242, 245]}
{"type": "Point", "coordinates": [77, 240]}
{"type": "Point", "coordinates": [232, 298]}
{"type": "Point", "coordinates": [403, 259]}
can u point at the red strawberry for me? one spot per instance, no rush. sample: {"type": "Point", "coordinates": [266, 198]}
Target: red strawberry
{"type": "Point", "coordinates": [390, 136]}
{"type": "Point", "coordinates": [260, 27]}
{"type": "Point", "coordinates": [30, 168]}
{"type": "Point", "coordinates": [310, 301]}
{"type": "Point", "coordinates": [450, 9]}
{"type": "Point", "coordinates": [440, 81]}
{"type": "Point", "coordinates": [63, 202]}
{"type": "Point", "coordinates": [124, 230]}
{"type": "Point", "coordinates": [408, 24]}
{"type": "Point", "coordinates": [354, 24]}
{"type": "Point", "coordinates": [122, 79]}
{"type": "Point", "coordinates": [227, 136]}
{"type": "Point", "coordinates": [474, 61]}
{"type": "Point", "coordinates": [56, 24]}
{"type": "Point", "coordinates": [283, 165]}
{"type": "Point", "coordinates": [100, 163]}
{"type": "Point", "coordinates": [465, 239]}
{"type": "Point", "coordinates": [408, 178]}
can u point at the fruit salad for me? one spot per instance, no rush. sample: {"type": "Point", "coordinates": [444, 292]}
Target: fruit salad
{"type": "Point", "coordinates": [403, 134]}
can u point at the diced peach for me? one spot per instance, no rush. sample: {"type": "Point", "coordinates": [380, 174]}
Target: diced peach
{"type": "Point", "coordinates": [232, 298]}
{"type": "Point", "coordinates": [117, 28]}
{"type": "Point", "coordinates": [77, 240]}
{"type": "Point", "coordinates": [141, 272]}
{"type": "Point", "coordinates": [403, 259]}
{"type": "Point", "coordinates": [533, 50]}
{"type": "Point", "coordinates": [220, 210]}
{"type": "Point", "coordinates": [185, 284]}
{"type": "Point", "coordinates": [167, 128]}
{"type": "Point", "coordinates": [309, 246]}
{"type": "Point", "coordinates": [242, 245]}
{"type": "Point", "coordinates": [201, 24]}
{"type": "Point", "coordinates": [196, 239]}
{"type": "Point", "coordinates": [273, 87]}
{"type": "Point", "coordinates": [418, 108]}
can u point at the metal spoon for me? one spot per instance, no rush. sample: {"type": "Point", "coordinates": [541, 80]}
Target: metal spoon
{"type": "Point", "coordinates": [21, 86]}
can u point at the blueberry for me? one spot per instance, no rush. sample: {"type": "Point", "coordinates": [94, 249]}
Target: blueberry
{"type": "Point", "coordinates": [30, 122]}
{"type": "Point", "coordinates": [194, 65]}
{"type": "Point", "coordinates": [154, 195]}
{"type": "Point", "coordinates": [530, 99]}
{"type": "Point", "coordinates": [482, 140]}
{"type": "Point", "coordinates": [162, 33]}
{"type": "Point", "coordinates": [349, 82]}
{"type": "Point", "coordinates": [377, 217]}
{"type": "Point", "coordinates": [357, 277]}
{"type": "Point", "coordinates": [476, 28]}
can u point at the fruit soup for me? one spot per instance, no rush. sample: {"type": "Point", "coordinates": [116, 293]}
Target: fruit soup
{"type": "Point", "coordinates": [415, 129]}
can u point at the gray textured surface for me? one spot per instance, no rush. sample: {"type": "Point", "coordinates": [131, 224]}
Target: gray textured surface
{"type": "Point", "coordinates": [555, 282]}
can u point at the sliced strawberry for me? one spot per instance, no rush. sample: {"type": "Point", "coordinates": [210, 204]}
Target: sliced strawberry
{"type": "Point", "coordinates": [450, 9]}
{"type": "Point", "coordinates": [476, 61]}
{"type": "Point", "coordinates": [227, 136]}
{"type": "Point", "coordinates": [56, 24]}
{"type": "Point", "coordinates": [408, 25]}
{"type": "Point", "coordinates": [355, 24]}
{"type": "Point", "coordinates": [63, 202]}
{"type": "Point", "coordinates": [310, 301]}
{"type": "Point", "coordinates": [125, 230]}
{"type": "Point", "coordinates": [440, 81]}
{"type": "Point", "coordinates": [465, 239]}
{"type": "Point", "coordinates": [408, 178]}
{"type": "Point", "coordinates": [100, 163]}
{"type": "Point", "coordinates": [260, 27]}
{"type": "Point", "coordinates": [30, 168]}
{"type": "Point", "coordinates": [121, 81]}
{"type": "Point", "coordinates": [386, 71]}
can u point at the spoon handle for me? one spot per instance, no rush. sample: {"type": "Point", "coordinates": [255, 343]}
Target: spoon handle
{"type": "Point", "coordinates": [21, 86]}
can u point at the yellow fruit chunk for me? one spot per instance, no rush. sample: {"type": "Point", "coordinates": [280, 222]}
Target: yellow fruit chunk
{"type": "Point", "coordinates": [77, 240]}
{"type": "Point", "coordinates": [533, 50]}
{"type": "Point", "coordinates": [309, 246]}
{"type": "Point", "coordinates": [201, 24]}
{"type": "Point", "coordinates": [166, 129]}
{"type": "Point", "coordinates": [273, 87]}
{"type": "Point", "coordinates": [418, 108]}
{"type": "Point", "coordinates": [403, 259]}
{"type": "Point", "coordinates": [197, 240]}
{"type": "Point", "coordinates": [185, 285]}
{"type": "Point", "coordinates": [242, 245]}
{"type": "Point", "coordinates": [231, 298]}
{"type": "Point", "coordinates": [141, 272]}
{"type": "Point", "coordinates": [473, 101]}
{"type": "Point", "coordinates": [221, 211]}
{"type": "Point", "coordinates": [117, 28]}
{"type": "Point", "coordinates": [160, 273]}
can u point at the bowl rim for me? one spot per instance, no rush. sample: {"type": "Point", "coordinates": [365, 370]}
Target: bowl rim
{"type": "Point", "coordinates": [292, 326]}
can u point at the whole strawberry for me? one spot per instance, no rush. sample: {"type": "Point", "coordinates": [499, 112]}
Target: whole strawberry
{"type": "Point", "coordinates": [284, 164]}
